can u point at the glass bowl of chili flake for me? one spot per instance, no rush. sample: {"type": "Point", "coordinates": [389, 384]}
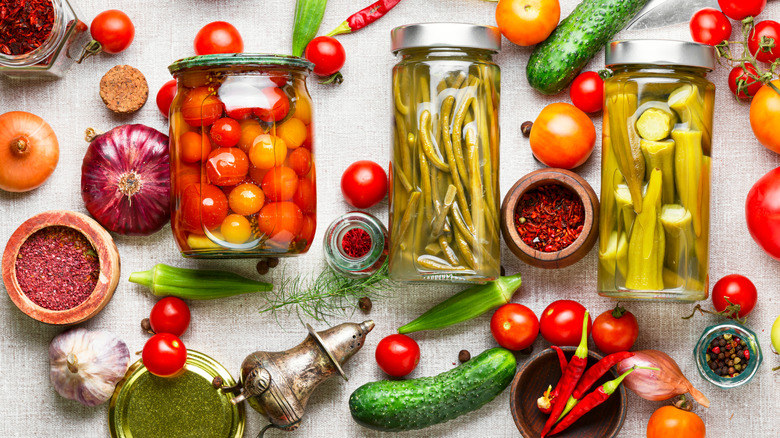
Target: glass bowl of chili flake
{"type": "Point", "coordinates": [728, 355]}
{"type": "Point", "coordinates": [549, 218]}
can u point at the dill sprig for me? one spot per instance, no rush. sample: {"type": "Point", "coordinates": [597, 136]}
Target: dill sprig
{"type": "Point", "coordinates": [329, 295]}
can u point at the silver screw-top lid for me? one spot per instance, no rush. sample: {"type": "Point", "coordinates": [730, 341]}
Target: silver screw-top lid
{"type": "Point", "coordinates": [660, 52]}
{"type": "Point", "coordinates": [446, 35]}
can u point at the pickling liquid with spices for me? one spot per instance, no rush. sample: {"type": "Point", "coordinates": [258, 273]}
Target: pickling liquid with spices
{"type": "Point", "coordinates": [654, 221]}
{"type": "Point", "coordinates": [444, 193]}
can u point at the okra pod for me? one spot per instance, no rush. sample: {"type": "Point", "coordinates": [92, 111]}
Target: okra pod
{"type": "Point", "coordinates": [196, 284]}
{"type": "Point", "coordinates": [621, 106]}
{"type": "Point", "coordinates": [676, 221]}
{"type": "Point", "coordinates": [687, 173]}
{"type": "Point", "coordinates": [646, 244]}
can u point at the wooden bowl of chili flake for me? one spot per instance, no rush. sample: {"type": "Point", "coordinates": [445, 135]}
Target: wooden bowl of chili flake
{"type": "Point", "coordinates": [549, 218]}
{"type": "Point", "coordinates": [60, 267]}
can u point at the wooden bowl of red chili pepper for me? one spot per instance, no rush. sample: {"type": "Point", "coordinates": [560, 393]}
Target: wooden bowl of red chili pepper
{"type": "Point", "coordinates": [60, 267]}
{"type": "Point", "coordinates": [543, 370]}
{"type": "Point", "coordinates": [549, 218]}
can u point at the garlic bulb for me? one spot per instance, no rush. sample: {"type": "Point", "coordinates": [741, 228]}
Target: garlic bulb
{"type": "Point", "coordinates": [86, 365]}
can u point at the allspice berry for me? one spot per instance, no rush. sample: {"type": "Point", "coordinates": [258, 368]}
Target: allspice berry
{"type": "Point", "coordinates": [262, 267]}
{"type": "Point", "coordinates": [464, 356]}
{"type": "Point", "coordinates": [273, 262]}
{"type": "Point", "coordinates": [525, 128]}
{"type": "Point", "coordinates": [365, 304]}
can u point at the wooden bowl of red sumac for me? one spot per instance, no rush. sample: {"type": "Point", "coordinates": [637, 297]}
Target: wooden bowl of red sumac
{"type": "Point", "coordinates": [543, 370]}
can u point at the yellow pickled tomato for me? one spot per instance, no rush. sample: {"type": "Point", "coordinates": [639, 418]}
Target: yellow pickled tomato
{"type": "Point", "coordinates": [250, 130]}
{"type": "Point", "coordinates": [293, 132]}
{"type": "Point", "coordinates": [236, 228]}
{"type": "Point", "coordinates": [302, 108]}
{"type": "Point", "coordinates": [246, 199]}
{"type": "Point", "coordinates": [268, 151]}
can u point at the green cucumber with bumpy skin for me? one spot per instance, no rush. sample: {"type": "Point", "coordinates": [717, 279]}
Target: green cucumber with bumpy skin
{"type": "Point", "coordinates": [559, 59]}
{"type": "Point", "coordinates": [398, 405]}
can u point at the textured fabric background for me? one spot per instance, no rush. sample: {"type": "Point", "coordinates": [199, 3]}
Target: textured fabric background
{"type": "Point", "coordinates": [353, 122]}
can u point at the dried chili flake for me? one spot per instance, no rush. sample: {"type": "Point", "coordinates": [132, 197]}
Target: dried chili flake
{"type": "Point", "coordinates": [549, 218]}
{"type": "Point", "coordinates": [356, 243]}
{"type": "Point", "coordinates": [24, 25]}
{"type": "Point", "coordinates": [57, 268]}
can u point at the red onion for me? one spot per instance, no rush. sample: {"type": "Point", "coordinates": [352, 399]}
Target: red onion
{"type": "Point", "coordinates": [658, 385]}
{"type": "Point", "coordinates": [126, 180]}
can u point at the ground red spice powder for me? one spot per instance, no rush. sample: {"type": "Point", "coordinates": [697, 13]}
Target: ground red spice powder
{"type": "Point", "coordinates": [356, 243]}
{"type": "Point", "coordinates": [57, 268]}
{"type": "Point", "coordinates": [24, 25]}
{"type": "Point", "coordinates": [549, 218]}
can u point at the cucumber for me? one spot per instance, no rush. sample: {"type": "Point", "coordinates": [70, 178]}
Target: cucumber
{"type": "Point", "coordinates": [559, 59]}
{"type": "Point", "coordinates": [397, 405]}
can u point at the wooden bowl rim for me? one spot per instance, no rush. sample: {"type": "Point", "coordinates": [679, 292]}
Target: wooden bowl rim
{"type": "Point", "coordinates": [104, 246]}
{"type": "Point", "coordinates": [584, 192]}
{"type": "Point", "coordinates": [549, 351]}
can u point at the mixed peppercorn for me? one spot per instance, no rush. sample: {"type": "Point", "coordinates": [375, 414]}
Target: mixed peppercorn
{"type": "Point", "coordinates": [728, 356]}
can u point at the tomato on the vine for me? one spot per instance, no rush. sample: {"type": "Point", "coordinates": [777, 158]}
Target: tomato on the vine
{"type": "Point", "coordinates": [669, 421]}
{"type": "Point", "coordinates": [737, 290]}
{"type": "Point", "coordinates": [203, 205]}
{"type": "Point", "coordinates": [615, 330]}
{"type": "Point", "coordinates": [275, 107]}
{"type": "Point", "coordinates": [165, 97]}
{"type": "Point", "coordinates": [218, 37]}
{"type": "Point", "coordinates": [762, 210]}
{"type": "Point", "coordinates": [327, 54]}
{"type": "Point", "coordinates": [364, 184]}
{"type": "Point", "coordinates": [227, 166]}
{"type": "Point", "coordinates": [741, 9]}
{"type": "Point", "coordinates": [763, 35]}
{"type": "Point", "coordinates": [397, 355]}
{"type": "Point", "coordinates": [113, 30]}
{"type": "Point", "coordinates": [514, 326]}
{"type": "Point", "coordinates": [587, 92]}
{"type": "Point", "coordinates": [525, 22]}
{"type": "Point", "coordinates": [561, 322]}
{"type": "Point", "coordinates": [170, 315]}
{"type": "Point", "coordinates": [226, 132]}
{"type": "Point", "coordinates": [710, 26]}
{"type": "Point", "coordinates": [562, 136]}
{"type": "Point", "coordinates": [742, 84]}
{"type": "Point", "coordinates": [164, 355]}
{"type": "Point", "coordinates": [764, 117]}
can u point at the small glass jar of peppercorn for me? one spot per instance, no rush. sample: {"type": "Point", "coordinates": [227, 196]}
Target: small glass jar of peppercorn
{"type": "Point", "coordinates": [728, 355]}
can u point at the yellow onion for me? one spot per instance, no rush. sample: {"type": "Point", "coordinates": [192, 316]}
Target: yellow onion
{"type": "Point", "coordinates": [663, 384]}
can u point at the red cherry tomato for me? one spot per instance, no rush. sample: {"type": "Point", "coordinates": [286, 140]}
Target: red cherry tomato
{"type": "Point", "coordinates": [165, 96]}
{"type": "Point", "coordinates": [201, 107]}
{"type": "Point", "coordinates": [306, 196]}
{"type": "Point", "coordinates": [203, 205]}
{"type": "Point", "coordinates": [280, 184]}
{"type": "Point", "coordinates": [218, 37]}
{"type": "Point", "coordinates": [710, 26]}
{"type": "Point", "coordinates": [194, 147]}
{"type": "Point", "coordinates": [587, 92]}
{"type": "Point", "coordinates": [364, 184]}
{"type": "Point", "coordinates": [227, 166]}
{"type": "Point", "coordinates": [327, 54]}
{"type": "Point", "coordinates": [164, 355]}
{"type": "Point", "coordinates": [741, 9]}
{"type": "Point", "coordinates": [615, 330]}
{"type": "Point", "coordinates": [561, 323]}
{"type": "Point", "coordinates": [300, 161]}
{"type": "Point", "coordinates": [738, 290]}
{"type": "Point", "coordinates": [764, 32]}
{"type": "Point", "coordinates": [307, 230]}
{"type": "Point", "coordinates": [275, 107]}
{"type": "Point", "coordinates": [741, 84]}
{"type": "Point", "coordinates": [397, 355]}
{"type": "Point", "coordinates": [514, 326]}
{"type": "Point", "coordinates": [170, 315]}
{"type": "Point", "coordinates": [281, 221]}
{"type": "Point", "coordinates": [226, 132]}
{"type": "Point", "coordinates": [113, 30]}
{"type": "Point", "coordinates": [762, 210]}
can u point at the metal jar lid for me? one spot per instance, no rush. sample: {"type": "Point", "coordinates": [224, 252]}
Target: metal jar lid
{"type": "Point", "coordinates": [660, 52]}
{"type": "Point", "coordinates": [460, 35]}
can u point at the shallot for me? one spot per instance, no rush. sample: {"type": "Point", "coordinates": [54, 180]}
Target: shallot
{"type": "Point", "coordinates": [662, 384]}
{"type": "Point", "coordinates": [125, 180]}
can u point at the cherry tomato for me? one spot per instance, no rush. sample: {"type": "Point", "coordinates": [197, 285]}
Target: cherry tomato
{"type": "Point", "coordinates": [113, 30]}
{"type": "Point", "coordinates": [738, 290]}
{"type": "Point", "coordinates": [327, 54]}
{"type": "Point", "coordinates": [587, 92]}
{"type": "Point", "coordinates": [710, 26]}
{"type": "Point", "coordinates": [275, 106]}
{"type": "Point", "coordinates": [514, 326]}
{"type": "Point", "coordinates": [765, 116]}
{"type": "Point", "coordinates": [194, 147]}
{"type": "Point", "coordinates": [165, 97]}
{"type": "Point", "coordinates": [300, 161]}
{"type": "Point", "coordinates": [201, 107]}
{"type": "Point", "coordinates": [302, 108]}
{"type": "Point", "coordinates": [306, 196]}
{"type": "Point", "coordinates": [236, 229]}
{"type": "Point", "coordinates": [246, 199]}
{"type": "Point", "coordinates": [226, 132]}
{"type": "Point", "coordinates": [250, 130]}
{"type": "Point", "coordinates": [218, 37]}
{"type": "Point", "coordinates": [562, 136]}
{"type": "Point", "coordinates": [741, 9]}
{"type": "Point", "coordinates": [364, 184]}
{"type": "Point", "coordinates": [561, 323]}
{"type": "Point", "coordinates": [227, 166]}
{"type": "Point", "coordinates": [397, 355]}
{"type": "Point", "coordinates": [527, 22]}
{"type": "Point", "coordinates": [164, 355]}
{"type": "Point", "coordinates": [765, 32]}
{"type": "Point", "coordinates": [170, 315]}
{"type": "Point", "coordinates": [615, 330]}
{"type": "Point", "coordinates": [280, 184]}
{"type": "Point", "coordinates": [203, 205]}
{"type": "Point", "coordinates": [668, 421]}
{"type": "Point", "coordinates": [293, 132]}
{"type": "Point", "coordinates": [238, 114]}
{"type": "Point", "coordinates": [281, 221]}
{"type": "Point", "coordinates": [307, 230]}
{"type": "Point", "coordinates": [741, 84]}
{"type": "Point", "coordinates": [762, 209]}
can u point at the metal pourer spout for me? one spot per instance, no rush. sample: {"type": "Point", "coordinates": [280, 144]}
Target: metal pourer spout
{"type": "Point", "coordinates": [257, 382]}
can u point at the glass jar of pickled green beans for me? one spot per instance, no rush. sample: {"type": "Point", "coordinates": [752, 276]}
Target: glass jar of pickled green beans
{"type": "Point", "coordinates": [654, 221]}
{"type": "Point", "coordinates": [444, 194]}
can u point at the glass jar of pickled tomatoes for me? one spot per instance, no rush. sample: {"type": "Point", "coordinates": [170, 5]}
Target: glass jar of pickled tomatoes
{"type": "Point", "coordinates": [242, 156]}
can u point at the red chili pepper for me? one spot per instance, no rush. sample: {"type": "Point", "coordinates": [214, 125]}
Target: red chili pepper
{"type": "Point", "coordinates": [570, 378]}
{"type": "Point", "coordinates": [561, 357]}
{"type": "Point", "coordinates": [598, 370]}
{"type": "Point", "coordinates": [365, 16]}
{"type": "Point", "coordinates": [544, 403]}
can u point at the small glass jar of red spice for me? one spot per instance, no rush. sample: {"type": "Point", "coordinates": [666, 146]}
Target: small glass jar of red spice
{"type": "Point", "coordinates": [39, 38]}
{"type": "Point", "coordinates": [355, 245]}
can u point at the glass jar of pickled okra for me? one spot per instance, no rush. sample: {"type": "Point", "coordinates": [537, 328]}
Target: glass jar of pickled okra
{"type": "Point", "coordinates": [444, 194]}
{"type": "Point", "coordinates": [655, 176]}
{"type": "Point", "coordinates": [242, 163]}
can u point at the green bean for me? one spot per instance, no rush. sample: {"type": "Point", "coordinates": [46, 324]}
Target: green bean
{"type": "Point", "coordinates": [425, 184]}
{"type": "Point", "coordinates": [449, 254]}
{"type": "Point", "coordinates": [460, 225]}
{"type": "Point", "coordinates": [464, 249]}
{"type": "Point", "coordinates": [434, 265]}
{"type": "Point", "coordinates": [433, 248]}
{"type": "Point", "coordinates": [406, 159]}
{"type": "Point", "coordinates": [477, 201]}
{"type": "Point", "coordinates": [406, 219]}
{"type": "Point", "coordinates": [427, 145]}
{"type": "Point", "coordinates": [404, 180]}
{"type": "Point", "coordinates": [457, 127]}
{"type": "Point", "coordinates": [424, 90]}
{"type": "Point", "coordinates": [486, 108]}
{"type": "Point", "coordinates": [441, 216]}
{"type": "Point", "coordinates": [445, 123]}
{"type": "Point", "coordinates": [399, 104]}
